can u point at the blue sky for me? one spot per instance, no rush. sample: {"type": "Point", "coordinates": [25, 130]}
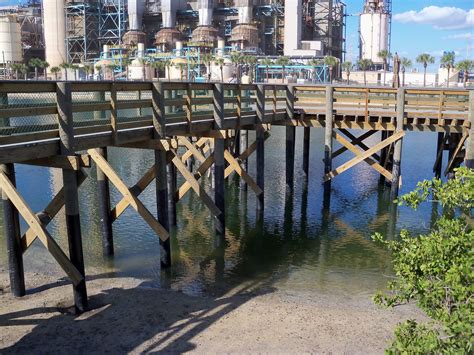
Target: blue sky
{"type": "Point", "coordinates": [418, 26]}
{"type": "Point", "coordinates": [422, 26]}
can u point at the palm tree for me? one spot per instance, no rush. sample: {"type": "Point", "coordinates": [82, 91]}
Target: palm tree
{"type": "Point", "coordinates": [250, 61]}
{"type": "Point", "coordinates": [447, 60]}
{"type": "Point", "coordinates": [314, 63]}
{"type": "Point", "coordinates": [425, 59]}
{"type": "Point", "coordinates": [89, 69]}
{"type": "Point", "coordinates": [65, 66]}
{"type": "Point", "coordinates": [156, 66]}
{"type": "Point", "coordinates": [406, 63]}
{"type": "Point", "coordinates": [111, 68]}
{"type": "Point", "coordinates": [331, 62]}
{"type": "Point", "coordinates": [16, 67]}
{"type": "Point", "coordinates": [35, 63]}
{"type": "Point", "coordinates": [385, 55]}
{"type": "Point", "coordinates": [267, 62]}
{"type": "Point", "coordinates": [167, 64]}
{"type": "Point", "coordinates": [181, 67]}
{"type": "Point", "coordinates": [220, 62]}
{"type": "Point", "coordinates": [364, 65]}
{"type": "Point", "coordinates": [207, 60]}
{"type": "Point", "coordinates": [55, 71]}
{"type": "Point", "coordinates": [24, 70]}
{"type": "Point", "coordinates": [283, 62]}
{"type": "Point", "coordinates": [465, 66]}
{"type": "Point", "coordinates": [144, 62]}
{"type": "Point", "coordinates": [347, 66]}
{"type": "Point", "coordinates": [44, 65]}
{"type": "Point", "coordinates": [126, 63]}
{"type": "Point", "coordinates": [236, 59]}
{"type": "Point", "coordinates": [75, 67]}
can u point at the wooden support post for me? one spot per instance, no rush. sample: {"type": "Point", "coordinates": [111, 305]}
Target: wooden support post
{"type": "Point", "coordinates": [439, 151]}
{"type": "Point", "coordinates": [260, 145]}
{"type": "Point", "coordinates": [219, 147]}
{"type": "Point", "coordinates": [328, 136]}
{"type": "Point", "coordinates": [306, 147]}
{"type": "Point", "coordinates": [469, 158]}
{"type": "Point", "coordinates": [244, 143]}
{"type": "Point", "coordinates": [11, 227]}
{"type": "Point", "coordinates": [159, 124]}
{"type": "Point", "coordinates": [383, 154]}
{"type": "Point", "coordinates": [171, 177]}
{"type": "Point", "coordinates": [70, 181]}
{"type": "Point", "coordinates": [290, 136]}
{"type": "Point", "coordinates": [104, 209]}
{"type": "Point", "coordinates": [397, 153]}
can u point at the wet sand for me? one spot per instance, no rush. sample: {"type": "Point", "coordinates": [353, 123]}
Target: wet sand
{"type": "Point", "coordinates": [129, 316]}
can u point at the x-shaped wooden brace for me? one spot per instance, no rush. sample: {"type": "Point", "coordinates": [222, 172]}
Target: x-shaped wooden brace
{"type": "Point", "coordinates": [39, 230]}
{"type": "Point", "coordinates": [456, 152]}
{"type": "Point", "coordinates": [356, 141]}
{"type": "Point", "coordinates": [235, 164]}
{"type": "Point", "coordinates": [130, 197]}
{"type": "Point", "coordinates": [363, 156]}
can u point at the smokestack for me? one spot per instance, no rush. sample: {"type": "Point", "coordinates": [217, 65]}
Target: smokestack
{"type": "Point", "coordinates": [245, 34]}
{"type": "Point", "coordinates": [135, 14]}
{"type": "Point", "coordinates": [167, 38]}
{"type": "Point", "coordinates": [168, 13]}
{"type": "Point", "coordinates": [245, 8]}
{"type": "Point", "coordinates": [54, 24]}
{"type": "Point", "coordinates": [205, 9]}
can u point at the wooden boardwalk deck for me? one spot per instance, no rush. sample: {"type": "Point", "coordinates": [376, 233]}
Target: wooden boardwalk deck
{"type": "Point", "coordinates": [69, 125]}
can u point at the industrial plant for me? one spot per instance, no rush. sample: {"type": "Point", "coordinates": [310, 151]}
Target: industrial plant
{"type": "Point", "coordinates": [121, 39]}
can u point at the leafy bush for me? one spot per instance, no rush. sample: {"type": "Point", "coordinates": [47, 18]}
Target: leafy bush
{"type": "Point", "coordinates": [436, 270]}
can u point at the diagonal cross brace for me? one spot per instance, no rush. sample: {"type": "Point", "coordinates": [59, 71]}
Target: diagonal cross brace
{"type": "Point", "coordinates": [35, 224]}
{"type": "Point", "coordinates": [362, 156]}
{"type": "Point", "coordinates": [132, 199]}
{"type": "Point", "coordinates": [355, 140]}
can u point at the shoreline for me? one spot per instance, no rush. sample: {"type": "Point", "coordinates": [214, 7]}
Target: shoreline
{"type": "Point", "coordinates": [127, 315]}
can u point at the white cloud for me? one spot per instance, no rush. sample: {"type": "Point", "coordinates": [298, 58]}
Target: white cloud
{"type": "Point", "coordinates": [469, 36]}
{"type": "Point", "coordinates": [442, 18]}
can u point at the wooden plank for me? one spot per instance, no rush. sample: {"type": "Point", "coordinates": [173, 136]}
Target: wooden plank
{"type": "Point", "coordinates": [373, 163]}
{"type": "Point", "coordinates": [363, 156]}
{"type": "Point", "coordinates": [456, 152]}
{"type": "Point", "coordinates": [28, 111]}
{"type": "Point", "coordinates": [196, 186]}
{"type": "Point", "coordinates": [125, 191]}
{"type": "Point", "coordinates": [192, 148]}
{"type": "Point", "coordinates": [203, 168]}
{"type": "Point", "coordinates": [35, 224]}
{"type": "Point", "coordinates": [62, 162]}
{"type": "Point", "coordinates": [234, 165]}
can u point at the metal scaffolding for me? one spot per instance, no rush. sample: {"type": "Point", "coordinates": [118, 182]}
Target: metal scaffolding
{"type": "Point", "coordinates": [82, 31]}
{"type": "Point", "coordinates": [112, 22]}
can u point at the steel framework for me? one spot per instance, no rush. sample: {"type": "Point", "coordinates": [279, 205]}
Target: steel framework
{"type": "Point", "coordinates": [82, 31]}
{"type": "Point", "coordinates": [112, 22]}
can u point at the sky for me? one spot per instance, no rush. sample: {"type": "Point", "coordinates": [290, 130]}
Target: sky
{"type": "Point", "coordinates": [421, 26]}
{"type": "Point", "coordinates": [418, 26]}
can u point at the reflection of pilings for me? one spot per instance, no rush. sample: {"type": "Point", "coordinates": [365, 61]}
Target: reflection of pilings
{"type": "Point", "coordinates": [104, 208]}
{"type": "Point", "coordinates": [392, 221]}
{"type": "Point", "coordinates": [306, 145]}
{"type": "Point", "coordinates": [260, 147]}
{"type": "Point", "coordinates": [439, 151]}
{"type": "Point", "coordinates": [162, 205]}
{"type": "Point", "coordinates": [383, 154]}
{"type": "Point", "coordinates": [172, 185]}
{"type": "Point", "coordinates": [244, 143]}
{"type": "Point", "coordinates": [11, 228]}
{"type": "Point", "coordinates": [304, 210]}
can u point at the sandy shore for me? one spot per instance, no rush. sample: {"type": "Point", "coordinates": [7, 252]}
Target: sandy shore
{"type": "Point", "coordinates": [127, 316]}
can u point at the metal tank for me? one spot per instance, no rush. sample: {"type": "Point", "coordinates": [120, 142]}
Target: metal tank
{"type": "Point", "coordinates": [10, 40]}
{"type": "Point", "coordinates": [245, 35]}
{"type": "Point", "coordinates": [54, 25]}
{"type": "Point", "coordinates": [205, 35]}
{"type": "Point", "coordinates": [135, 24]}
{"type": "Point", "coordinates": [374, 30]}
{"type": "Point", "coordinates": [166, 38]}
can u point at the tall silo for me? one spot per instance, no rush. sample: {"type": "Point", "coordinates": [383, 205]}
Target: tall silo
{"type": "Point", "coordinates": [10, 40]}
{"type": "Point", "coordinates": [375, 29]}
{"type": "Point", "coordinates": [54, 25]}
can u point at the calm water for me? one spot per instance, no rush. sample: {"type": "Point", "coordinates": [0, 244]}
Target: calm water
{"type": "Point", "coordinates": [298, 247]}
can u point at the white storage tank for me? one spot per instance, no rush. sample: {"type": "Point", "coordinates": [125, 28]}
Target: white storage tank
{"type": "Point", "coordinates": [10, 40]}
{"type": "Point", "coordinates": [374, 29]}
{"type": "Point", "coordinates": [54, 25]}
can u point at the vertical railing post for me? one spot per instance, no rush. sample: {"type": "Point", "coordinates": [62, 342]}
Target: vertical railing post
{"type": "Point", "coordinates": [159, 125]}
{"type": "Point", "coordinates": [104, 208]}
{"type": "Point", "coordinates": [4, 122]}
{"type": "Point", "coordinates": [290, 136]}
{"type": "Point", "coordinates": [469, 159]}
{"type": "Point", "coordinates": [397, 152]}
{"type": "Point", "coordinates": [11, 227]}
{"type": "Point", "coordinates": [71, 197]}
{"type": "Point", "coordinates": [328, 136]}
{"type": "Point", "coordinates": [219, 146]}
{"type": "Point", "coordinates": [114, 112]}
{"type": "Point", "coordinates": [260, 145]}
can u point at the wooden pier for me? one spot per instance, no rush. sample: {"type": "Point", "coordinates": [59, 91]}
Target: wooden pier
{"type": "Point", "coordinates": [195, 128]}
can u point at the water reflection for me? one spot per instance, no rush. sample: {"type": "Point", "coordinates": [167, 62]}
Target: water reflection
{"type": "Point", "coordinates": [304, 243]}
